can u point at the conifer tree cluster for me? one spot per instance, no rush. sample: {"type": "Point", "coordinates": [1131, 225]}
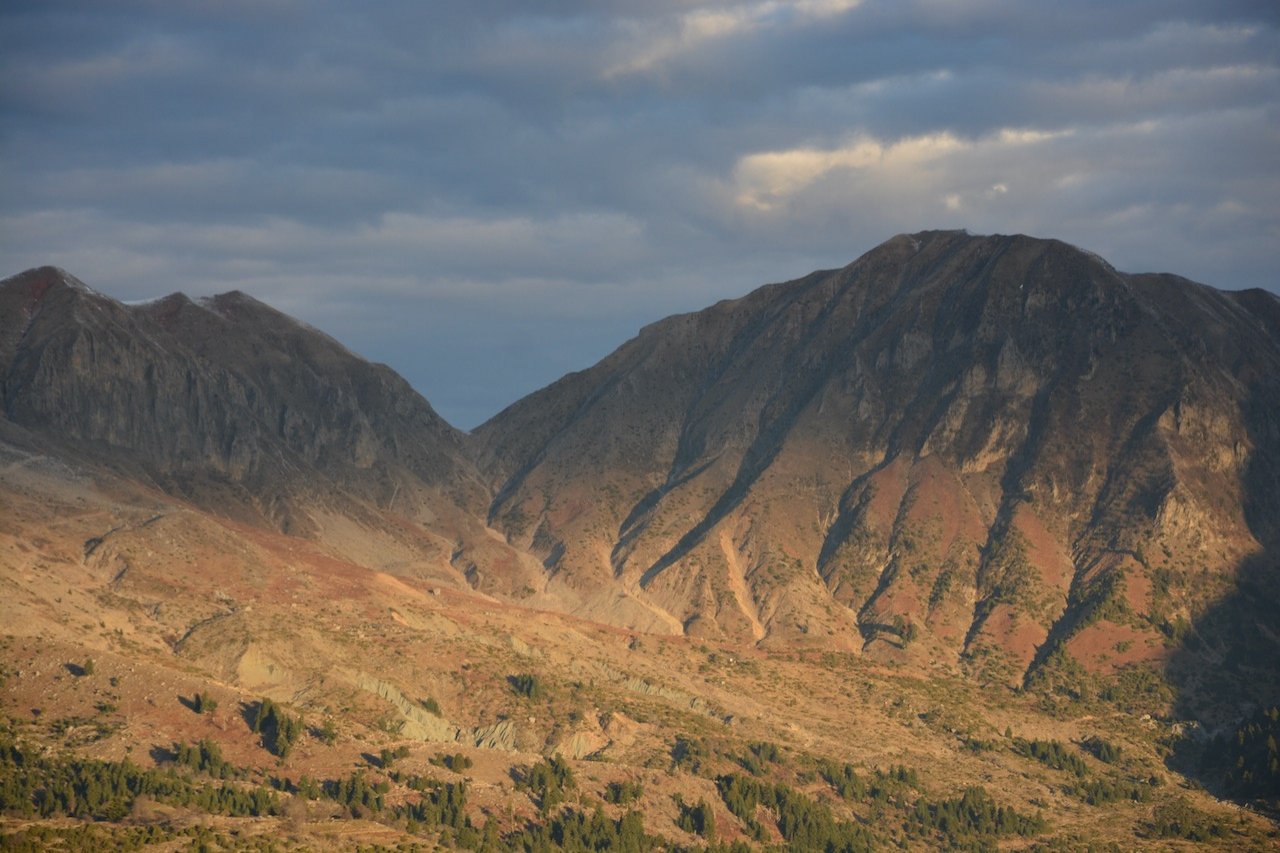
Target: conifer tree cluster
{"type": "Point", "coordinates": [327, 733]}
{"type": "Point", "coordinates": [576, 831]}
{"type": "Point", "coordinates": [549, 781]}
{"type": "Point", "coordinates": [388, 756]}
{"type": "Point", "coordinates": [972, 816]}
{"type": "Point", "coordinates": [203, 703]}
{"type": "Point", "coordinates": [688, 754]}
{"type": "Point", "coordinates": [1248, 759]}
{"type": "Point", "coordinates": [844, 779]}
{"type": "Point", "coordinates": [32, 785]}
{"type": "Point", "coordinates": [206, 757]}
{"type": "Point", "coordinates": [1051, 753]}
{"type": "Point", "coordinates": [759, 756]}
{"type": "Point", "coordinates": [443, 806]}
{"type": "Point", "coordinates": [698, 819]}
{"type": "Point", "coordinates": [1102, 750]}
{"type": "Point", "coordinates": [39, 838]}
{"type": "Point", "coordinates": [357, 793]}
{"type": "Point", "coordinates": [457, 762]}
{"type": "Point", "coordinates": [1097, 792]}
{"type": "Point", "coordinates": [279, 730]}
{"type": "Point", "coordinates": [804, 824]}
{"type": "Point", "coordinates": [621, 793]}
{"type": "Point", "coordinates": [527, 685]}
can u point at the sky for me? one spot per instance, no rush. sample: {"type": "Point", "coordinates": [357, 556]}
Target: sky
{"type": "Point", "coordinates": [488, 194]}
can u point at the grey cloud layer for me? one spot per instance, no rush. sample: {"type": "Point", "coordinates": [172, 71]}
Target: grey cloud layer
{"type": "Point", "coordinates": [487, 195]}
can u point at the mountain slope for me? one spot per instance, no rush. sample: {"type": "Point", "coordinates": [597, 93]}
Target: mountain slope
{"type": "Point", "coordinates": [238, 408]}
{"type": "Point", "coordinates": [976, 449]}
{"type": "Point", "coordinates": [969, 462]}
{"type": "Point", "coordinates": [991, 453]}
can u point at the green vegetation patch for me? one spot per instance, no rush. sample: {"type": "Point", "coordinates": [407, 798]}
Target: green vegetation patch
{"type": "Point", "coordinates": [549, 782]}
{"type": "Point", "coordinates": [972, 817]}
{"type": "Point", "coordinates": [1051, 753]}
{"type": "Point", "coordinates": [33, 785]}
{"type": "Point", "coordinates": [279, 730]}
{"type": "Point", "coordinates": [526, 685]}
{"type": "Point", "coordinates": [804, 824]}
{"type": "Point", "coordinates": [1246, 762]}
{"type": "Point", "coordinates": [622, 793]}
{"type": "Point", "coordinates": [698, 818]}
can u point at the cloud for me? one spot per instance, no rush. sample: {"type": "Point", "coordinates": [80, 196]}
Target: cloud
{"type": "Point", "coordinates": [651, 43]}
{"type": "Point", "coordinates": [488, 195]}
{"type": "Point", "coordinates": [764, 181]}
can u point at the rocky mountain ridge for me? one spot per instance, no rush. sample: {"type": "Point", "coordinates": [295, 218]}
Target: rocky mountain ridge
{"type": "Point", "coordinates": [237, 408]}
{"type": "Point", "coordinates": [966, 449]}
{"type": "Point", "coordinates": [995, 454]}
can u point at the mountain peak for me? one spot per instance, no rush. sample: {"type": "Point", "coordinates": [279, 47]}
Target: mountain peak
{"type": "Point", "coordinates": [235, 299]}
{"type": "Point", "coordinates": [35, 283]}
{"type": "Point", "coordinates": [958, 433]}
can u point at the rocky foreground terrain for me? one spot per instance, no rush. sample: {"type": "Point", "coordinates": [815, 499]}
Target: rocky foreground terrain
{"type": "Point", "coordinates": [972, 543]}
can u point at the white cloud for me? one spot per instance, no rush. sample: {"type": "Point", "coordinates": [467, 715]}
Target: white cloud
{"type": "Point", "coordinates": [651, 43]}
{"type": "Point", "coordinates": [765, 180]}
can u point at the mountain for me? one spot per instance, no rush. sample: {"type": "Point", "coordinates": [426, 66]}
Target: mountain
{"type": "Point", "coordinates": [995, 452]}
{"type": "Point", "coordinates": [240, 409]}
{"type": "Point", "coordinates": [972, 543]}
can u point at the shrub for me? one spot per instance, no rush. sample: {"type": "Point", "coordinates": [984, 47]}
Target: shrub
{"type": "Point", "coordinates": [526, 685]}
{"type": "Point", "coordinates": [621, 793]}
{"type": "Point", "coordinates": [1102, 750]}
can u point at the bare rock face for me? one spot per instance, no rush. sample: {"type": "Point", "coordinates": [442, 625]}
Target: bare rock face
{"type": "Point", "coordinates": [231, 405]}
{"type": "Point", "coordinates": [996, 451]}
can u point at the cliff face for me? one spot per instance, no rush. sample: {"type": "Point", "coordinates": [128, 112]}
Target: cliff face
{"type": "Point", "coordinates": [956, 448]}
